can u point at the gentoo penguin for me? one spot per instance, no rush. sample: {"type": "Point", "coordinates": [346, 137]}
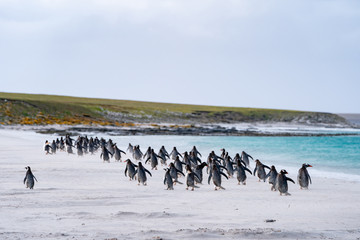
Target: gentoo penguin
{"type": "Point", "coordinates": [130, 148]}
{"type": "Point", "coordinates": [117, 153]}
{"type": "Point", "coordinates": [195, 151]}
{"type": "Point", "coordinates": [53, 147]}
{"type": "Point", "coordinates": [245, 157]}
{"type": "Point", "coordinates": [281, 182]}
{"type": "Point", "coordinates": [174, 173]}
{"type": "Point", "coordinates": [141, 174]}
{"type": "Point", "coordinates": [137, 154]}
{"type": "Point", "coordinates": [130, 169]}
{"type": "Point", "coordinates": [215, 174]}
{"type": "Point", "coordinates": [29, 178]}
{"type": "Point", "coordinates": [190, 178]}
{"type": "Point", "coordinates": [168, 181]}
{"type": "Point", "coordinates": [198, 170]}
{"type": "Point", "coordinates": [105, 154]}
{"type": "Point", "coordinates": [47, 147]}
{"type": "Point", "coordinates": [153, 160]}
{"type": "Point", "coordinates": [178, 164]}
{"type": "Point", "coordinates": [272, 177]}
{"type": "Point", "coordinates": [163, 155]}
{"type": "Point", "coordinates": [240, 172]}
{"type": "Point", "coordinates": [164, 151]}
{"type": "Point", "coordinates": [147, 153]}
{"type": "Point", "coordinates": [174, 153]}
{"type": "Point", "coordinates": [260, 168]}
{"type": "Point", "coordinates": [304, 177]}
{"type": "Point", "coordinates": [229, 166]}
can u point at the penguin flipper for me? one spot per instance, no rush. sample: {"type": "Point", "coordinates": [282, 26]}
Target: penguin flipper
{"type": "Point", "coordinates": [246, 169]}
{"type": "Point", "coordinates": [148, 172]}
{"type": "Point", "coordinates": [309, 178]}
{"type": "Point", "coordinates": [178, 171]}
{"type": "Point", "coordinates": [224, 175]}
{"type": "Point", "coordinates": [266, 167]}
{"type": "Point", "coordinates": [178, 182]}
{"type": "Point", "coordinates": [289, 179]}
{"type": "Point", "coordinates": [126, 169]}
{"type": "Point", "coordinates": [34, 177]}
{"type": "Point", "coordinates": [24, 179]}
{"type": "Point", "coordinates": [255, 170]}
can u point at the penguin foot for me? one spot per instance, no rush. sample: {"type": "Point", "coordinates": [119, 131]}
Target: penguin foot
{"type": "Point", "coordinates": [192, 189]}
{"type": "Point", "coordinates": [187, 188]}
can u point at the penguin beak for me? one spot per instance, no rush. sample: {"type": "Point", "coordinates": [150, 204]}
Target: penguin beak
{"type": "Point", "coordinates": [309, 166]}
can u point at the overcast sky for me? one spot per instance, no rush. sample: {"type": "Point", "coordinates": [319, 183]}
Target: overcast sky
{"type": "Point", "coordinates": [301, 55]}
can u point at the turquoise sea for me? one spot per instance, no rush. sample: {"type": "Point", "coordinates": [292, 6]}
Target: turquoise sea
{"type": "Point", "coordinates": [331, 156]}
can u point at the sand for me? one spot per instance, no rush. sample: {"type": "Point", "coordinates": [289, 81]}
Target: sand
{"type": "Point", "coordinates": [84, 198]}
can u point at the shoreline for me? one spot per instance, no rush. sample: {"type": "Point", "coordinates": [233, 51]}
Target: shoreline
{"type": "Point", "coordinates": [243, 129]}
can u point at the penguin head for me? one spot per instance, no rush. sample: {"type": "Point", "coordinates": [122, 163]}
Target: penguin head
{"type": "Point", "coordinates": [140, 164]}
{"type": "Point", "coordinates": [273, 167]}
{"type": "Point", "coordinates": [171, 165]}
{"type": "Point", "coordinates": [188, 168]}
{"type": "Point", "coordinates": [283, 171]}
{"type": "Point", "coordinates": [28, 168]}
{"type": "Point", "coordinates": [305, 165]}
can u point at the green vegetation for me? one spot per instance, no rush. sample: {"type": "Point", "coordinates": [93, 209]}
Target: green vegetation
{"type": "Point", "coordinates": [51, 109]}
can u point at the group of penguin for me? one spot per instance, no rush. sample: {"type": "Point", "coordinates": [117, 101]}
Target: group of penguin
{"type": "Point", "coordinates": [216, 166]}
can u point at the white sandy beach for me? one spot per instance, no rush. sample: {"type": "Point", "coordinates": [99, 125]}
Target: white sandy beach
{"type": "Point", "coordinates": [84, 198]}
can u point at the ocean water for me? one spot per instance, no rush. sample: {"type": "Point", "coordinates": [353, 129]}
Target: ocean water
{"type": "Point", "coordinates": [335, 157]}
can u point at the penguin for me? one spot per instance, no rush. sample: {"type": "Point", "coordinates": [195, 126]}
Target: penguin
{"type": "Point", "coordinates": [190, 178]}
{"type": "Point", "coordinates": [229, 166]}
{"type": "Point", "coordinates": [223, 152]}
{"type": "Point", "coordinates": [69, 140]}
{"type": "Point", "coordinates": [163, 155]}
{"type": "Point", "coordinates": [304, 177]}
{"type": "Point", "coordinates": [53, 147]}
{"type": "Point", "coordinates": [147, 153]}
{"type": "Point", "coordinates": [174, 153]}
{"type": "Point", "coordinates": [91, 146]}
{"type": "Point", "coordinates": [105, 154]}
{"type": "Point", "coordinates": [281, 182]}
{"type": "Point", "coordinates": [47, 147]}
{"type": "Point", "coordinates": [117, 153]}
{"type": "Point", "coordinates": [245, 157]}
{"type": "Point", "coordinates": [130, 149]}
{"type": "Point", "coordinates": [198, 171]}
{"type": "Point", "coordinates": [162, 149]}
{"type": "Point", "coordinates": [260, 168]}
{"type": "Point", "coordinates": [272, 177]}
{"type": "Point", "coordinates": [137, 154]}
{"type": "Point", "coordinates": [79, 148]}
{"type": "Point", "coordinates": [195, 151]}
{"type": "Point", "coordinates": [178, 164]}
{"type": "Point", "coordinates": [153, 160]}
{"type": "Point", "coordinates": [194, 159]}
{"type": "Point", "coordinates": [168, 180]}
{"type": "Point", "coordinates": [215, 174]}
{"type": "Point", "coordinates": [29, 178]}
{"type": "Point", "coordinates": [141, 174]}
{"type": "Point", "coordinates": [174, 173]}
{"type": "Point", "coordinates": [62, 144]}
{"type": "Point", "coordinates": [110, 146]}
{"type": "Point", "coordinates": [130, 168]}
{"type": "Point", "coordinates": [240, 172]}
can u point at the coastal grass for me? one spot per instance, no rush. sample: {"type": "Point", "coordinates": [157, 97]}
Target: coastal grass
{"type": "Point", "coordinates": [26, 108]}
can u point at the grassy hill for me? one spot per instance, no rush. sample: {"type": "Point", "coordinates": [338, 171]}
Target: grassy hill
{"type": "Point", "coordinates": [35, 109]}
